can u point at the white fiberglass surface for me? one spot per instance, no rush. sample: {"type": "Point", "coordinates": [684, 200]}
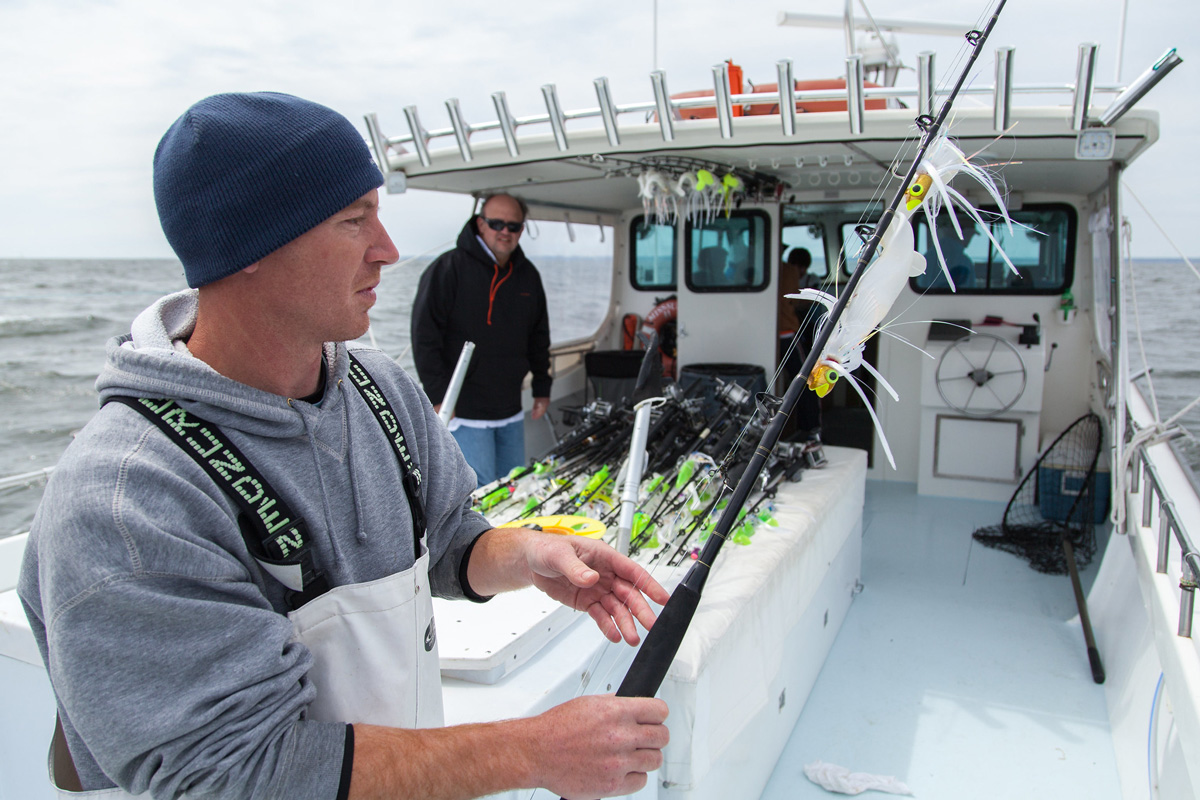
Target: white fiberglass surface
{"type": "Point", "coordinates": [959, 670]}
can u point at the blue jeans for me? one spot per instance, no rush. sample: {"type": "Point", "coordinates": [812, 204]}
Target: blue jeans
{"type": "Point", "coordinates": [492, 452]}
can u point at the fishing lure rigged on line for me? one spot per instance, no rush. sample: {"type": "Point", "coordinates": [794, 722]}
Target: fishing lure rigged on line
{"type": "Point", "coordinates": [898, 260]}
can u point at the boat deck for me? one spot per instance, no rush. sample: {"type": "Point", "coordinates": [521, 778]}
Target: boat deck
{"type": "Point", "coordinates": [959, 670]}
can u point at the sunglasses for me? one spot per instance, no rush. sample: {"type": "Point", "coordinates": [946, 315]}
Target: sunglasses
{"type": "Point", "coordinates": [500, 224]}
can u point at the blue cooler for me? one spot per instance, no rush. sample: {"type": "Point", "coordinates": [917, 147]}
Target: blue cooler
{"type": "Point", "coordinates": [1059, 486]}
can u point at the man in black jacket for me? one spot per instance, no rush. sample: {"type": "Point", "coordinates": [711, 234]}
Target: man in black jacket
{"type": "Point", "coordinates": [485, 291]}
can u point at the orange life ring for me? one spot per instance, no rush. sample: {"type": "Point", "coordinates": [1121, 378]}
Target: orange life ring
{"type": "Point", "coordinates": [657, 321]}
{"type": "Point", "coordinates": [630, 325]}
{"type": "Point", "coordinates": [761, 109]}
{"type": "Point", "coordinates": [758, 109]}
{"type": "Point", "coordinates": [665, 311]}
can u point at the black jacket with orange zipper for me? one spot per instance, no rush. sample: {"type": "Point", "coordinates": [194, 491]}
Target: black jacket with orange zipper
{"type": "Point", "coordinates": [463, 296]}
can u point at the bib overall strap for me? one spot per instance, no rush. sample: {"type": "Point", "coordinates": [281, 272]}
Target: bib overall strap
{"type": "Point", "coordinates": [386, 418]}
{"type": "Point", "coordinates": [275, 536]}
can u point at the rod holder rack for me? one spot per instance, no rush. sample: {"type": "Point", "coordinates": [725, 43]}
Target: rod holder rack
{"type": "Point", "coordinates": [1085, 80]}
{"type": "Point", "coordinates": [1002, 110]}
{"type": "Point", "coordinates": [785, 98]}
{"type": "Point", "coordinates": [1170, 528]}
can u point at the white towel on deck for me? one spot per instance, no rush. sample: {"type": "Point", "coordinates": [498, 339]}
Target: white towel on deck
{"type": "Point", "coordinates": [839, 779]}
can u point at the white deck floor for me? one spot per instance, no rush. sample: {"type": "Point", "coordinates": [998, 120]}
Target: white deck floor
{"type": "Point", "coordinates": [959, 670]}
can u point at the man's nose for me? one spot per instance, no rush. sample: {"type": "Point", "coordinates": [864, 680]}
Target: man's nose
{"type": "Point", "coordinates": [383, 250]}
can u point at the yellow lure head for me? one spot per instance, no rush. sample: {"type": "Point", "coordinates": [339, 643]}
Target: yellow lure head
{"type": "Point", "coordinates": [822, 379]}
{"type": "Point", "coordinates": [917, 191]}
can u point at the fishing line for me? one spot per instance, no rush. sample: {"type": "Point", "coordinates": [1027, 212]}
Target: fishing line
{"type": "Point", "coordinates": [1125, 185]}
{"type": "Point", "coordinates": [652, 661]}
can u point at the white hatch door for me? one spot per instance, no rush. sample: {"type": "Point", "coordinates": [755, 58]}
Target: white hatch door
{"type": "Point", "coordinates": [727, 302]}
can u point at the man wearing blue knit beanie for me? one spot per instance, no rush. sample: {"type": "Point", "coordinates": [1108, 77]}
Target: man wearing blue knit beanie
{"type": "Point", "coordinates": [230, 575]}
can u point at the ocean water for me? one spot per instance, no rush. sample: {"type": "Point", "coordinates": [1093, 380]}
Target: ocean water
{"type": "Point", "coordinates": [56, 315]}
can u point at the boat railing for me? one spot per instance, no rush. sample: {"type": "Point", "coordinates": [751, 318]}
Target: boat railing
{"type": "Point", "coordinates": [668, 110]}
{"type": "Point", "coordinates": [1157, 504]}
{"type": "Point", "coordinates": [567, 355]}
{"type": "Point", "coordinates": [25, 479]}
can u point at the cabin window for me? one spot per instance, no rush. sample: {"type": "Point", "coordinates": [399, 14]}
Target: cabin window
{"type": "Point", "coordinates": [1040, 246]}
{"type": "Point", "coordinates": [729, 254]}
{"type": "Point", "coordinates": [576, 266]}
{"type": "Point", "coordinates": [651, 255]}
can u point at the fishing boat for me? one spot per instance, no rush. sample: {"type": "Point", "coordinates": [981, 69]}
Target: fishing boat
{"type": "Point", "coordinates": [868, 637]}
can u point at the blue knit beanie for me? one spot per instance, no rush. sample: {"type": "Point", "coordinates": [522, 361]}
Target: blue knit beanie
{"type": "Point", "coordinates": [240, 175]}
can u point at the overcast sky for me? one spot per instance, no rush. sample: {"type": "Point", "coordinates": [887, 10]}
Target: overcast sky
{"type": "Point", "coordinates": [89, 87]}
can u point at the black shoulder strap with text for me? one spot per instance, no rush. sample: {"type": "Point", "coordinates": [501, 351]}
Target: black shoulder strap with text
{"type": "Point", "coordinates": [391, 426]}
{"type": "Point", "coordinates": [276, 536]}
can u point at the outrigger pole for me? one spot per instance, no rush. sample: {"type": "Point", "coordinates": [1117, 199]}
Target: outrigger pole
{"type": "Point", "coordinates": [650, 665]}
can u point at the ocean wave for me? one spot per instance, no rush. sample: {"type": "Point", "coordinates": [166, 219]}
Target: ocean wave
{"type": "Point", "coordinates": [23, 327]}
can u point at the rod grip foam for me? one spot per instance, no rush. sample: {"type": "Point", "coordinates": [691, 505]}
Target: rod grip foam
{"type": "Point", "coordinates": [652, 661]}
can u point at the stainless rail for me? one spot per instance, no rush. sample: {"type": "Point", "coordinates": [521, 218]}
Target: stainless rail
{"type": "Point", "coordinates": [668, 110]}
{"type": "Point", "coordinates": [25, 478]}
{"type": "Point", "coordinates": [1170, 527]}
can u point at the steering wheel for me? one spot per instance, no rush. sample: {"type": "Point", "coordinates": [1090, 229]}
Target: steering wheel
{"type": "Point", "coordinates": [981, 375]}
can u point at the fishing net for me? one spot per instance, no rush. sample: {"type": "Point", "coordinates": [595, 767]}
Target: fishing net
{"type": "Point", "coordinates": [1056, 499]}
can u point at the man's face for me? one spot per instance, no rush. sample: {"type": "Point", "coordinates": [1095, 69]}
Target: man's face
{"type": "Point", "coordinates": [322, 283]}
{"type": "Point", "coordinates": [503, 242]}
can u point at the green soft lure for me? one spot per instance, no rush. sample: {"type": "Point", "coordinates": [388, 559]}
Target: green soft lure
{"type": "Point", "coordinates": [685, 474]}
{"type": "Point", "coordinates": [744, 532]}
{"type": "Point", "coordinates": [640, 522]}
{"type": "Point", "coordinates": [599, 479]}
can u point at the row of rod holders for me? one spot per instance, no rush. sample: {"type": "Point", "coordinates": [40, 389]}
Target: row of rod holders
{"type": "Point", "coordinates": [665, 108]}
{"type": "Point", "coordinates": [1169, 526]}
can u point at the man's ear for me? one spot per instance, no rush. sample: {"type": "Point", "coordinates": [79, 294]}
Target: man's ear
{"type": "Point", "coordinates": [250, 270]}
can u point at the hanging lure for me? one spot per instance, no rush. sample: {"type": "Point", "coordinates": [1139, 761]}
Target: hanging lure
{"type": "Point", "coordinates": [932, 191]}
{"type": "Point", "coordinates": [729, 184]}
{"type": "Point", "coordinates": [886, 276]}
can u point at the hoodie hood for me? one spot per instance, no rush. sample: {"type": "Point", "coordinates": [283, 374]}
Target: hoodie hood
{"type": "Point", "coordinates": [153, 361]}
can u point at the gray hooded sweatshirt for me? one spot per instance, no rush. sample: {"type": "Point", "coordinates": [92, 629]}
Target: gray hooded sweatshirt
{"type": "Point", "coordinates": [168, 648]}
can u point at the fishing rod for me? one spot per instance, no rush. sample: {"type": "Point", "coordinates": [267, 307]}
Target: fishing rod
{"type": "Point", "coordinates": [654, 658]}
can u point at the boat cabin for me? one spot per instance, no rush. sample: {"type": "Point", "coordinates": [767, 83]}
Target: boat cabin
{"type": "Point", "coordinates": [813, 179]}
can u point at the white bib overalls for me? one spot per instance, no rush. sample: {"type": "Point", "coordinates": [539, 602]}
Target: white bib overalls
{"type": "Point", "coordinates": [375, 657]}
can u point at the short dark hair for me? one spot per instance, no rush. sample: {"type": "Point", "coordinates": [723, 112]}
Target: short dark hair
{"type": "Point", "coordinates": [799, 257]}
{"type": "Point", "coordinates": [487, 198]}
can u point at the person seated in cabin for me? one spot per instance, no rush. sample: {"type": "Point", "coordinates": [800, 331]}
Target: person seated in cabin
{"type": "Point", "coordinates": [485, 291]}
{"type": "Point", "coordinates": [229, 577]}
{"type": "Point", "coordinates": [710, 266]}
{"type": "Point", "coordinates": [796, 325]}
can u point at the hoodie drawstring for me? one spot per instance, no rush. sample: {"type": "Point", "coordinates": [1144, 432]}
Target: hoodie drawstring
{"type": "Point", "coordinates": [496, 281]}
{"type": "Point", "coordinates": [360, 533]}
{"type": "Point", "coordinates": [312, 443]}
